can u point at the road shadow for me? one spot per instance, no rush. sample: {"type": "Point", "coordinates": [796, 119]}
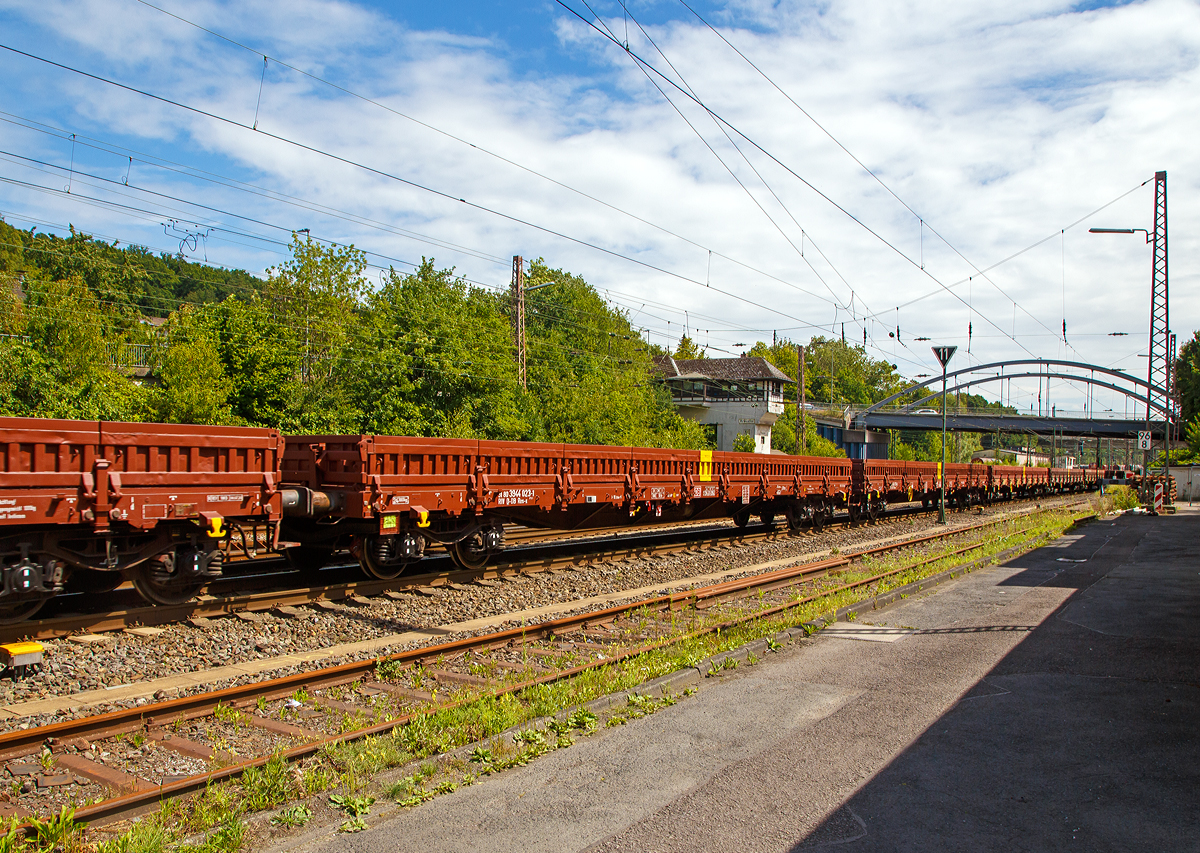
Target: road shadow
{"type": "Point", "coordinates": [1086, 736]}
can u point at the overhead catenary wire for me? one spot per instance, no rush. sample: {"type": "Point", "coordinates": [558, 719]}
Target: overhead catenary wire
{"type": "Point", "coordinates": [895, 249]}
{"type": "Point", "coordinates": [835, 301]}
{"type": "Point", "coordinates": [83, 199]}
{"type": "Point", "coordinates": [921, 219]}
{"type": "Point", "coordinates": [479, 148]}
{"type": "Point", "coordinates": [388, 175]}
{"type": "Point", "coordinates": [746, 159]}
{"type": "Point", "coordinates": [301, 145]}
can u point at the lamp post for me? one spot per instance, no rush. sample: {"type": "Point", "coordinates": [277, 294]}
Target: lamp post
{"type": "Point", "coordinates": [944, 354]}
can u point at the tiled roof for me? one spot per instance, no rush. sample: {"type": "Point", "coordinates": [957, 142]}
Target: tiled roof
{"type": "Point", "coordinates": [723, 369]}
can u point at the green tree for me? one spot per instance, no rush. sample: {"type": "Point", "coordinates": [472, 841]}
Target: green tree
{"type": "Point", "coordinates": [64, 320]}
{"type": "Point", "coordinates": [591, 378]}
{"type": "Point", "coordinates": [743, 443]}
{"type": "Point", "coordinates": [783, 435]}
{"type": "Point", "coordinates": [835, 371]}
{"type": "Point", "coordinates": [259, 359]}
{"type": "Point", "coordinates": [316, 294]}
{"type": "Point", "coordinates": [194, 388]}
{"type": "Point", "coordinates": [688, 349]}
{"type": "Point", "coordinates": [1187, 378]}
{"type": "Point", "coordinates": [433, 356]}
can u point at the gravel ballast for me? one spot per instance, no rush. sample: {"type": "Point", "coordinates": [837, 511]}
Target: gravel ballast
{"type": "Point", "coordinates": [120, 658]}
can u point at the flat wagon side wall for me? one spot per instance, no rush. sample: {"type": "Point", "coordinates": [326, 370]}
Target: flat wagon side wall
{"type": "Point", "coordinates": [898, 479]}
{"type": "Point", "coordinates": [101, 473]}
{"type": "Point", "coordinates": [376, 475]}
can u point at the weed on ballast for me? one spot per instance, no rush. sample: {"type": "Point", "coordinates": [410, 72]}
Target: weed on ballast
{"type": "Point", "coordinates": [293, 816]}
{"type": "Point", "coordinates": [531, 737]}
{"type": "Point", "coordinates": [354, 824]}
{"type": "Point", "coordinates": [348, 767]}
{"type": "Point", "coordinates": [145, 836]}
{"type": "Point", "coordinates": [582, 719]}
{"type": "Point", "coordinates": [355, 808]}
{"type": "Point", "coordinates": [228, 714]}
{"type": "Point", "coordinates": [13, 840]}
{"type": "Point", "coordinates": [58, 832]}
{"type": "Point", "coordinates": [270, 785]}
{"type": "Point", "coordinates": [352, 805]}
{"type": "Point", "coordinates": [228, 838]}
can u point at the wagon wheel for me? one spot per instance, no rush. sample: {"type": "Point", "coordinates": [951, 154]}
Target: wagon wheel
{"type": "Point", "coordinates": [14, 610]}
{"type": "Point", "coordinates": [308, 560]}
{"type": "Point", "coordinates": [154, 584]}
{"type": "Point", "coordinates": [767, 517]}
{"type": "Point", "coordinates": [741, 518]}
{"type": "Point", "coordinates": [368, 558]}
{"type": "Point", "coordinates": [795, 517]}
{"type": "Point", "coordinates": [818, 518]}
{"type": "Point", "coordinates": [469, 553]}
{"type": "Point", "coordinates": [873, 510]}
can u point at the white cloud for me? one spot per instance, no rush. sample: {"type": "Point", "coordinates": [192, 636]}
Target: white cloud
{"type": "Point", "coordinates": [999, 124]}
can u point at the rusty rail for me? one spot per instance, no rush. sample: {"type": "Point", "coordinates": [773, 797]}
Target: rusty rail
{"type": "Point", "coordinates": [154, 716]}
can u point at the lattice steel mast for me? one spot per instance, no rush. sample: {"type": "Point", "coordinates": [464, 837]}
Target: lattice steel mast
{"type": "Point", "coordinates": [1160, 366]}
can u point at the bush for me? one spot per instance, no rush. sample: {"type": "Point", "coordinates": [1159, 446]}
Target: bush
{"type": "Point", "coordinates": [1123, 497]}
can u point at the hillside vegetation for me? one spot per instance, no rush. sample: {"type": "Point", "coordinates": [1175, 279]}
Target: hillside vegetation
{"type": "Point", "coordinates": [312, 349]}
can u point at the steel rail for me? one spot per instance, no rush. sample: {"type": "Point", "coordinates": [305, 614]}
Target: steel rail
{"type": "Point", "coordinates": [136, 803]}
{"type": "Point", "coordinates": [22, 742]}
{"type": "Point", "coordinates": [583, 551]}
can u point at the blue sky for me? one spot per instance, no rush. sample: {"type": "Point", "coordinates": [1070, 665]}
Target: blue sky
{"type": "Point", "coordinates": [995, 126]}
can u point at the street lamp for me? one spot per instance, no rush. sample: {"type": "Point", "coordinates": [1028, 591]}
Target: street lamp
{"type": "Point", "coordinates": [944, 354]}
{"type": "Point", "coordinates": [1160, 317]}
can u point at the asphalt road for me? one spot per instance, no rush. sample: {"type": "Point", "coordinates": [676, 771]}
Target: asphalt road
{"type": "Point", "coordinates": [1048, 704]}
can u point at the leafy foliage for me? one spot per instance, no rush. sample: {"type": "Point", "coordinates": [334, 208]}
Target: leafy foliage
{"type": "Point", "coordinates": [312, 349]}
{"type": "Point", "coordinates": [1187, 377]}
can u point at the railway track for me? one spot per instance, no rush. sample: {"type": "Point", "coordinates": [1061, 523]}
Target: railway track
{"type": "Point", "coordinates": [130, 760]}
{"type": "Point", "coordinates": [260, 591]}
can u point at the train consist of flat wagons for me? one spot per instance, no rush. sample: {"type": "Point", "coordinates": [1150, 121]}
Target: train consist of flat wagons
{"type": "Point", "coordinates": [85, 505]}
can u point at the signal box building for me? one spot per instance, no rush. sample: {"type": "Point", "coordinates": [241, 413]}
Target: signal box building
{"type": "Point", "coordinates": [728, 396]}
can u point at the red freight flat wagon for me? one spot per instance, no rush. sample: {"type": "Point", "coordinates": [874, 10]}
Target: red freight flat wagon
{"type": "Point", "coordinates": [84, 504]}
{"type": "Point", "coordinates": [384, 497]}
{"type": "Point", "coordinates": [898, 480]}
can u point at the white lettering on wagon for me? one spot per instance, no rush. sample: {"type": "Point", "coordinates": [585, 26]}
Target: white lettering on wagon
{"type": "Point", "coordinates": [515, 497]}
{"type": "Point", "coordinates": [8, 501]}
{"type": "Point", "coordinates": [398, 500]}
{"type": "Point", "coordinates": [224, 499]}
{"type": "Point", "coordinates": [12, 515]}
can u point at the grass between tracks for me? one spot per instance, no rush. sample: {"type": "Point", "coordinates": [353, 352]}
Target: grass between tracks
{"type": "Point", "coordinates": [341, 784]}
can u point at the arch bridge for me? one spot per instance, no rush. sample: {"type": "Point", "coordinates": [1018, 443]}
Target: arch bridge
{"type": "Point", "coordinates": [879, 416]}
